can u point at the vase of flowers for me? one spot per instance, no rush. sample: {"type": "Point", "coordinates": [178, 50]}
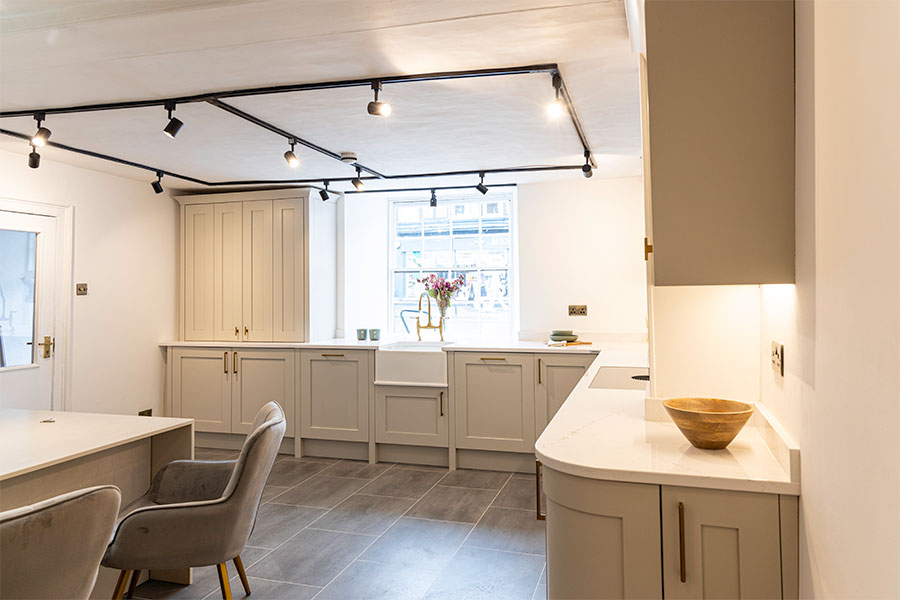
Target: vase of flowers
{"type": "Point", "coordinates": [442, 290]}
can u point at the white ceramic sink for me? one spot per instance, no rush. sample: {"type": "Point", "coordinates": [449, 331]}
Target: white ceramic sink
{"type": "Point", "coordinates": [411, 363]}
{"type": "Point", "coordinates": [620, 378]}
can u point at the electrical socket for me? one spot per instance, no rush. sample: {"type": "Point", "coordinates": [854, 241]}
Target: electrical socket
{"type": "Point", "coordinates": [578, 310]}
{"type": "Point", "coordinates": [147, 412]}
{"type": "Point", "coordinates": [778, 357]}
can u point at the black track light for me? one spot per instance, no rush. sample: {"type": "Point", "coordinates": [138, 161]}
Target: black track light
{"type": "Point", "coordinates": [556, 108]}
{"type": "Point", "coordinates": [379, 109]}
{"type": "Point", "coordinates": [481, 187]}
{"type": "Point", "coordinates": [323, 194]}
{"type": "Point", "coordinates": [42, 134]}
{"type": "Point", "coordinates": [174, 124]}
{"type": "Point", "coordinates": [157, 185]}
{"type": "Point", "coordinates": [433, 202]}
{"type": "Point", "coordinates": [357, 182]}
{"type": "Point", "coordinates": [34, 159]}
{"type": "Point", "coordinates": [586, 169]}
{"type": "Point", "coordinates": [291, 158]}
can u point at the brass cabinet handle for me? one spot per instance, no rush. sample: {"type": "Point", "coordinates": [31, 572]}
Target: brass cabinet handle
{"type": "Point", "coordinates": [234, 363]}
{"type": "Point", "coordinates": [681, 541]}
{"type": "Point", "coordinates": [333, 355]}
{"type": "Point", "coordinates": [246, 331]}
{"type": "Point", "coordinates": [442, 404]}
{"type": "Point", "coordinates": [225, 362]}
{"type": "Point", "coordinates": [492, 358]}
{"type": "Point", "coordinates": [541, 516]}
{"type": "Point", "coordinates": [540, 364]}
{"type": "Point", "coordinates": [648, 249]}
{"type": "Point", "coordinates": [237, 331]}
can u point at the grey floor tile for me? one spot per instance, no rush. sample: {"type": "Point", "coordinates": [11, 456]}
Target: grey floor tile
{"type": "Point", "coordinates": [476, 574]}
{"type": "Point", "coordinates": [264, 589]}
{"type": "Point", "coordinates": [321, 491]}
{"type": "Point", "coordinates": [418, 542]}
{"type": "Point", "coordinates": [377, 581]}
{"type": "Point", "coordinates": [510, 530]}
{"type": "Point", "coordinates": [403, 483]}
{"type": "Point", "coordinates": [470, 478]}
{"type": "Point", "coordinates": [453, 504]}
{"type": "Point", "coordinates": [275, 523]}
{"type": "Point", "coordinates": [271, 491]}
{"type": "Point", "coordinates": [517, 493]}
{"type": "Point", "coordinates": [205, 583]}
{"type": "Point", "coordinates": [291, 471]}
{"type": "Point", "coordinates": [540, 592]}
{"type": "Point", "coordinates": [356, 468]}
{"type": "Point", "coordinates": [371, 515]}
{"type": "Point", "coordinates": [313, 557]}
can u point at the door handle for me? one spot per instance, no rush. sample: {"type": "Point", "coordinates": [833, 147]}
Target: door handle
{"type": "Point", "coordinates": [246, 331]}
{"type": "Point", "coordinates": [47, 345]}
{"type": "Point", "coordinates": [442, 404]}
{"type": "Point", "coordinates": [237, 331]}
{"type": "Point", "coordinates": [540, 364]}
{"type": "Point", "coordinates": [681, 541]}
{"type": "Point", "coordinates": [234, 363]}
{"type": "Point", "coordinates": [541, 516]}
{"type": "Point", "coordinates": [225, 362]}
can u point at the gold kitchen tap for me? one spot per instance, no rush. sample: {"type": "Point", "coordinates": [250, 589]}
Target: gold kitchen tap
{"type": "Point", "coordinates": [430, 325]}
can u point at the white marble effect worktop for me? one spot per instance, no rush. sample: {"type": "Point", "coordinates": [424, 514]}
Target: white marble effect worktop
{"type": "Point", "coordinates": [603, 434]}
{"type": "Point", "coordinates": [509, 345]}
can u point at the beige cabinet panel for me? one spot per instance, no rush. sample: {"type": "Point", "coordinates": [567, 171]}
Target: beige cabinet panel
{"type": "Point", "coordinates": [260, 376]}
{"type": "Point", "coordinates": [732, 546]}
{"type": "Point", "coordinates": [289, 295]}
{"type": "Point", "coordinates": [201, 388]}
{"type": "Point", "coordinates": [556, 376]}
{"type": "Point", "coordinates": [334, 395]}
{"type": "Point", "coordinates": [198, 268]}
{"type": "Point", "coordinates": [494, 401]}
{"type": "Point", "coordinates": [411, 415]}
{"type": "Point", "coordinates": [602, 538]}
{"type": "Point", "coordinates": [257, 272]}
{"type": "Point", "coordinates": [228, 282]}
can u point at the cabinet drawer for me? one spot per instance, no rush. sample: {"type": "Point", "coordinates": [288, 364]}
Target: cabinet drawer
{"type": "Point", "coordinates": [411, 415]}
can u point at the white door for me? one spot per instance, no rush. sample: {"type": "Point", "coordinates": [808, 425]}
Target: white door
{"type": "Point", "coordinates": [27, 335]}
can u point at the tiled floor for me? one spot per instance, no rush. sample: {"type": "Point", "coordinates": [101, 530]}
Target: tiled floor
{"type": "Point", "coordinates": [348, 530]}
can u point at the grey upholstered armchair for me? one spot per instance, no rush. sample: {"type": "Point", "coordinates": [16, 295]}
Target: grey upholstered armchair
{"type": "Point", "coordinates": [52, 549]}
{"type": "Point", "coordinates": [198, 513]}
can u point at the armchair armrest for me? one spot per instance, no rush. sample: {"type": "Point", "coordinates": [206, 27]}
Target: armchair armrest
{"type": "Point", "coordinates": [191, 481]}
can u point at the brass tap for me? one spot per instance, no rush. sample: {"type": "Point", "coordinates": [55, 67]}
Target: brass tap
{"type": "Point", "coordinates": [430, 325]}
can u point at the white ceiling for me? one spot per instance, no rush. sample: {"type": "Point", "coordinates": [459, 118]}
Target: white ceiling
{"type": "Point", "coordinates": [63, 52]}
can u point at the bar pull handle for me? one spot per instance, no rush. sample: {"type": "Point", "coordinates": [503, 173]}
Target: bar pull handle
{"type": "Point", "coordinates": [333, 355]}
{"type": "Point", "coordinates": [492, 358]}
{"type": "Point", "coordinates": [540, 365]}
{"type": "Point", "coordinates": [234, 363]}
{"type": "Point", "coordinates": [442, 404]}
{"type": "Point", "coordinates": [541, 516]}
{"type": "Point", "coordinates": [237, 331]}
{"type": "Point", "coordinates": [246, 331]}
{"type": "Point", "coordinates": [681, 541]}
{"type": "Point", "coordinates": [225, 362]}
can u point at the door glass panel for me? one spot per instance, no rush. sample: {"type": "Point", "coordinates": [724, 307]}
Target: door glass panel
{"type": "Point", "coordinates": [17, 268]}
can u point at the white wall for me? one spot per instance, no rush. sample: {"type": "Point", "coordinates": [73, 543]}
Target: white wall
{"type": "Point", "coordinates": [125, 249]}
{"type": "Point", "coordinates": [580, 242]}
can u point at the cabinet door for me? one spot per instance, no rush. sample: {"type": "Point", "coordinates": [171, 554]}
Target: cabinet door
{"type": "Point", "coordinates": [289, 294]}
{"type": "Point", "coordinates": [227, 258]}
{"type": "Point", "coordinates": [197, 269]}
{"type": "Point", "coordinates": [261, 376]}
{"type": "Point", "coordinates": [411, 415]}
{"type": "Point", "coordinates": [494, 401]}
{"type": "Point", "coordinates": [257, 272]}
{"type": "Point", "coordinates": [556, 376]}
{"type": "Point", "coordinates": [201, 388]}
{"type": "Point", "coordinates": [602, 538]}
{"type": "Point", "coordinates": [334, 395]}
{"type": "Point", "coordinates": [731, 544]}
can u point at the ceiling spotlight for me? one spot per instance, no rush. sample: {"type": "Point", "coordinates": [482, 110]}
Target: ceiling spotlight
{"type": "Point", "coordinates": [157, 185]}
{"type": "Point", "coordinates": [323, 194]}
{"type": "Point", "coordinates": [42, 134]}
{"type": "Point", "coordinates": [380, 109]}
{"type": "Point", "coordinates": [174, 124]}
{"type": "Point", "coordinates": [586, 169]}
{"type": "Point", "coordinates": [357, 182]}
{"type": "Point", "coordinates": [433, 202]}
{"type": "Point", "coordinates": [34, 159]}
{"type": "Point", "coordinates": [481, 187]}
{"type": "Point", "coordinates": [291, 158]}
{"type": "Point", "coordinates": [556, 108]}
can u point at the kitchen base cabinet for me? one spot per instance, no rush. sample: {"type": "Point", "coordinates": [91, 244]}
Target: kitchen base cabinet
{"type": "Point", "coordinates": [731, 544]}
{"type": "Point", "coordinates": [411, 415]}
{"type": "Point", "coordinates": [260, 376]}
{"type": "Point", "coordinates": [557, 375]}
{"type": "Point", "coordinates": [201, 387]}
{"type": "Point", "coordinates": [334, 394]}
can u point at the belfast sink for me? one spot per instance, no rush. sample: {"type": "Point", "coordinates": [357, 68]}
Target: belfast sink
{"type": "Point", "coordinates": [621, 378]}
{"type": "Point", "coordinates": [411, 364]}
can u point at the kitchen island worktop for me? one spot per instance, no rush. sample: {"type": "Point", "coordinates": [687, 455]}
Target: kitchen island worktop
{"type": "Point", "coordinates": [603, 434]}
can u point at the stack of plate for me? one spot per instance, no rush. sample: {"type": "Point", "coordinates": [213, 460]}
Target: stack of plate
{"type": "Point", "coordinates": [563, 335]}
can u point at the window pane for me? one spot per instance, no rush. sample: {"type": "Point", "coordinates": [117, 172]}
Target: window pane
{"type": "Point", "coordinates": [495, 217]}
{"type": "Point", "coordinates": [408, 253]}
{"type": "Point", "coordinates": [405, 286]}
{"type": "Point", "coordinates": [495, 252]}
{"type": "Point", "coordinates": [465, 251]}
{"type": "Point", "coordinates": [17, 268]}
{"type": "Point", "coordinates": [436, 253]}
{"type": "Point", "coordinates": [494, 286]}
{"type": "Point", "coordinates": [465, 218]}
{"type": "Point", "coordinates": [436, 220]}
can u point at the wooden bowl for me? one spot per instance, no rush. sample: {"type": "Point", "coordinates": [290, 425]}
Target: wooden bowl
{"type": "Point", "coordinates": [708, 423]}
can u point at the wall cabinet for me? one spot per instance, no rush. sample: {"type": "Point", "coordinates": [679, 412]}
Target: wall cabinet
{"type": "Point", "coordinates": [334, 394]}
{"type": "Point", "coordinates": [718, 129]}
{"type": "Point", "coordinates": [494, 401]}
{"type": "Point", "coordinates": [223, 388]}
{"type": "Point", "coordinates": [557, 375]}
{"type": "Point", "coordinates": [411, 415]}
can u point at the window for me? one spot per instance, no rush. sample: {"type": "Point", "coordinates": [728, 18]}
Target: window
{"type": "Point", "coordinates": [467, 236]}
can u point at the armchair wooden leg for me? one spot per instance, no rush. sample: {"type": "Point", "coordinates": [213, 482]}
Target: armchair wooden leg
{"type": "Point", "coordinates": [222, 570]}
{"type": "Point", "coordinates": [239, 565]}
{"type": "Point", "coordinates": [134, 581]}
{"type": "Point", "coordinates": [119, 590]}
